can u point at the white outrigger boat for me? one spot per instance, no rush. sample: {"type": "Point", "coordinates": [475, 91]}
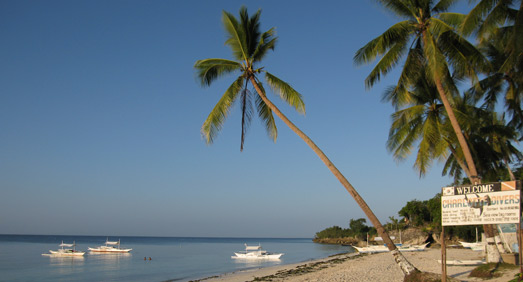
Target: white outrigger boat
{"type": "Point", "coordinates": [255, 252]}
{"type": "Point", "coordinates": [383, 248]}
{"type": "Point", "coordinates": [67, 250]}
{"type": "Point", "coordinates": [109, 248]}
{"type": "Point", "coordinates": [477, 246]}
{"type": "Point", "coordinates": [370, 249]}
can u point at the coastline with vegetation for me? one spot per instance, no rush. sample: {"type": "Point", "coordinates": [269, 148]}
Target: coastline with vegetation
{"type": "Point", "coordinates": [420, 224]}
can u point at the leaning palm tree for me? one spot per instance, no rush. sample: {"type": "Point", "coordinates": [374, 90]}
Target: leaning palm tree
{"type": "Point", "coordinates": [249, 47]}
{"type": "Point", "coordinates": [428, 38]}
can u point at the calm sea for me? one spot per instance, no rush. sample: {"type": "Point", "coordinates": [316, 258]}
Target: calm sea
{"type": "Point", "coordinates": [172, 258]}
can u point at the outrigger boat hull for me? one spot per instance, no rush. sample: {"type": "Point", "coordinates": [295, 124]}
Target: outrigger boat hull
{"type": "Point", "coordinates": [383, 249]}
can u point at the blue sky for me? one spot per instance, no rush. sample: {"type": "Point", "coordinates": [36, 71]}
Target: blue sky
{"type": "Point", "coordinates": [101, 117]}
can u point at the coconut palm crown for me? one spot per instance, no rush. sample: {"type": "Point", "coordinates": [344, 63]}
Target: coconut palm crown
{"type": "Point", "coordinates": [427, 36]}
{"type": "Point", "coordinates": [249, 46]}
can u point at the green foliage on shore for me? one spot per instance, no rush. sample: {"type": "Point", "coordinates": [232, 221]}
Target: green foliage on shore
{"type": "Point", "coordinates": [357, 229]}
{"type": "Point", "coordinates": [425, 215]}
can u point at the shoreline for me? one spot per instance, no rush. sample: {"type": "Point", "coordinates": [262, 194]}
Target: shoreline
{"type": "Point", "coordinates": [265, 272]}
{"type": "Point", "coordinates": [361, 267]}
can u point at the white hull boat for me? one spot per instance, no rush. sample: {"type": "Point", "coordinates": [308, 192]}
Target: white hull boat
{"type": "Point", "coordinates": [464, 262]}
{"type": "Point", "coordinates": [67, 250]}
{"type": "Point", "coordinates": [109, 248]}
{"type": "Point", "coordinates": [255, 252]}
{"type": "Point", "coordinates": [478, 246]}
{"type": "Point", "coordinates": [384, 248]}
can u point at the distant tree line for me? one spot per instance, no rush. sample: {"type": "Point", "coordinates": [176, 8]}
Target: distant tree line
{"type": "Point", "coordinates": [357, 229]}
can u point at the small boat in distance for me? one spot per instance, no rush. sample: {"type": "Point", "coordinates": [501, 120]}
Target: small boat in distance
{"type": "Point", "coordinates": [68, 250]}
{"type": "Point", "coordinates": [255, 252]}
{"type": "Point", "coordinates": [109, 248]}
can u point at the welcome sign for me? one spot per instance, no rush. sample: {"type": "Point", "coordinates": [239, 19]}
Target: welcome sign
{"type": "Point", "coordinates": [488, 203]}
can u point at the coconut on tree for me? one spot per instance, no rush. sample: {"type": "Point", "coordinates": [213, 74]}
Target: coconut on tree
{"type": "Point", "coordinates": [249, 47]}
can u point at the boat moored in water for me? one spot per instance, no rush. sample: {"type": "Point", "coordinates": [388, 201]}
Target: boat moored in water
{"type": "Point", "coordinates": [255, 252]}
{"type": "Point", "coordinates": [110, 247]}
{"type": "Point", "coordinates": [67, 250]}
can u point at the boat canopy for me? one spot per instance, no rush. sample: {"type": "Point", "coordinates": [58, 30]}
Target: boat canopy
{"type": "Point", "coordinates": [112, 242]}
{"type": "Point", "coordinates": [252, 248]}
{"type": "Point", "coordinates": [66, 245]}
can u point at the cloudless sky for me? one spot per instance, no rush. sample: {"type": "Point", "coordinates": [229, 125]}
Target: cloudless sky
{"type": "Point", "coordinates": [100, 116]}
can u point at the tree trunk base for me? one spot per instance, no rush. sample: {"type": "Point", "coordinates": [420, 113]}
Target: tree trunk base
{"type": "Point", "coordinates": [419, 276]}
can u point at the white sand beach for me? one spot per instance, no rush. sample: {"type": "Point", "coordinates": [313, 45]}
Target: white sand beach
{"type": "Point", "coordinates": [375, 267]}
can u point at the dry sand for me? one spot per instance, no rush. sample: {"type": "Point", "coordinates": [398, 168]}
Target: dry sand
{"type": "Point", "coordinates": [361, 268]}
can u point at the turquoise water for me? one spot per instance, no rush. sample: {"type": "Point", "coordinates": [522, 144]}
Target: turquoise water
{"type": "Point", "coordinates": [172, 258]}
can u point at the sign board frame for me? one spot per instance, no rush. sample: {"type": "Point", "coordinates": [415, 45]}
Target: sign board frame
{"type": "Point", "coordinates": [486, 203]}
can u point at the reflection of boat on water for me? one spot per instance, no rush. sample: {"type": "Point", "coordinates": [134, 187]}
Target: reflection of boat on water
{"type": "Point", "coordinates": [384, 248]}
{"type": "Point", "coordinates": [255, 252]}
{"type": "Point", "coordinates": [67, 250]}
{"type": "Point", "coordinates": [110, 247]}
{"type": "Point", "coordinates": [109, 257]}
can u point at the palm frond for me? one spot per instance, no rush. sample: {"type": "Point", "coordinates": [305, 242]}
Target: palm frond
{"type": "Point", "coordinates": [399, 32]}
{"type": "Point", "coordinates": [286, 92]}
{"type": "Point", "coordinates": [236, 37]}
{"type": "Point", "coordinates": [265, 114]}
{"type": "Point", "coordinates": [247, 111]}
{"type": "Point", "coordinates": [386, 63]}
{"type": "Point", "coordinates": [404, 131]}
{"type": "Point", "coordinates": [443, 6]}
{"type": "Point", "coordinates": [475, 16]}
{"type": "Point", "coordinates": [399, 8]}
{"type": "Point", "coordinates": [251, 26]}
{"type": "Point", "coordinates": [498, 16]}
{"type": "Point", "coordinates": [439, 26]}
{"type": "Point", "coordinates": [214, 122]}
{"type": "Point", "coordinates": [267, 42]}
{"type": "Point", "coordinates": [410, 74]}
{"type": "Point", "coordinates": [454, 20]}
{"type": "Point", "coordinates": [463, 56]}
{"type": "Point", "coordinates": [209, 70]}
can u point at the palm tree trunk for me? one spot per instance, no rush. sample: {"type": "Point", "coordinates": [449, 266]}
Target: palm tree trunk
{"type": "Point", "coordinates": [472, 172]}
{"type": "Point", "coordinates": [507, 163]}
{"type": "Point", "coordinates": [493, 254]}
{"type": "Point", "coordinates": [402, 262]}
